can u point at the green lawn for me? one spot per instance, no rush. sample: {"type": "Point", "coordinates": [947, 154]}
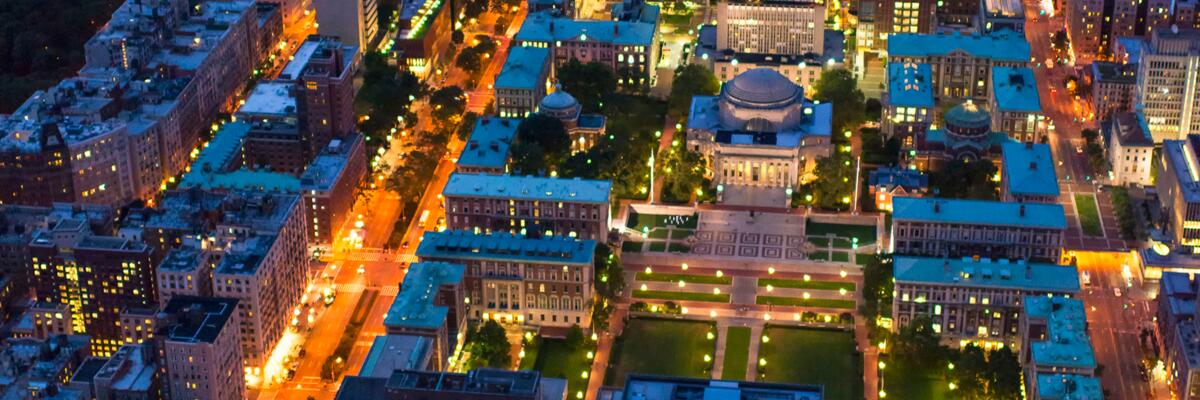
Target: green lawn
{"type": "Point", "coordinates": [679, 247]}
{"type": "Point", "coordinates": [1089, 215]}
{"type": "Point", "coordinates": [841, 256]}
{"type": "Point", "coordinates": [661, 277]}
{"type": "Point", "coordinates": [681, 234]}
{"type": "Point", "coordinates": [670, 295]}
{"type": "Point", "coordinates": [819, 255]}
{"type": "Point", "coordinates": [554, 359]}
{"type": "Point", "coordinates": [800, 302]}
{"type": "Point", "coordinates": [637, 221]}
{"type": "Point", "coordinates": [864, 233]}
{"type": "Point", "coordinates": [815, 357]}
{"type": "Point", "coordinates": [864, 259]}
{"type": "Point", "coordinates": [800, 284]}
{"type": "Point", "coordinates": [631, 247]}
{"type": "Point", "coordinates": [659, 233]}
{"type": "Point", "coordinates": [902, 384]}
{"type": "Point", "coordinates": [658, 246]}
{"type": "Point", "coordinates": [737, 352]}
{"type": "Point", "coordinates": [662, 347]}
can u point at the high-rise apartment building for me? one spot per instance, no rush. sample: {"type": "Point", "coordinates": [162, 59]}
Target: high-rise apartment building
{"type": "Point", "coordinates": [528, 205]}
{"type": "Point", "coordinates": [1094, 25]}
{"type": "Point", "coordinates": [544, 282]}
{"type": "Point", "coordinates": [1113, 87]}
{"type": "Point", "coordinates": [198, 346]}
{"type": "Point", "coordinates": [1178, 187]}
{"type": "Point", "coordinates": [1168, 83]}
{"type": "Point", "coordinates": [355, 23]}
{"type": "Point", "coordinates": [903, 16]}
{"type": "Point", "coordinates": [96, 276]}
{"type": "Point", "coordinates": [771, 27]}
{"type": "Point", "coordinates": [323, 70]}
{"type": "Point", "coordinates": [329, 185]}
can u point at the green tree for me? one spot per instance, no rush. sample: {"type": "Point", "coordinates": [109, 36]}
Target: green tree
{"type": "Point", "coordinates": [575, 339]}
{"type": "Point", "coordinates": [548, 133]}
{"type": "Point", "coordinates": [834, 187]}
{"type": "Point", "coordinates": [683, 172]}
{"type": "Point", "coordinates": [448, 104]}
{"type": "Point", "coordinates": [877, 293]}
{"type": "Point", "coordinates": [474, 8]}
{"type": "Point", "coordinates": [470, 61]}
{"type": "Point", "coordinates": [965, 180]}
{"type": "Point", "coordinates": [466, 126]}
{"type": "Point", "coordinates": [917, 346]}
{"type": "Point", "coordinates": [387, 95]}
{"type": "Point", "coordinates": [588, 83]}
{"type": "Point", "coordinates": [527, 158]}
{"type": "Point", "coordinates": [489, 347]}
{"type": "Point", "coordinates": [690, 80]}
{"type": "Point", "coordinates": [838, 86]}
{"type": "Point", "coordinates": [608, 275]}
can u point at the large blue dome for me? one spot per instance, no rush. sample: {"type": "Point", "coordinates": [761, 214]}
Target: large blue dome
{"type": "Point", "coordinates": [761, 87]}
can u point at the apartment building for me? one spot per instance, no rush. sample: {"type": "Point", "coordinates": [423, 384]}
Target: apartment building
{"type": "Point", "coordinates": [355, 23]}
{"type": "Point", "coordinates": [431, 304]}
{"type": "Point", "coordinates": [1178, 187]}
{"type": "Point", "coordinates": [1113, 86]}
{"type": "Point", "coordinates": [977, 228]}
{"type": "Point", "coordinates": [198, 344]}
{"type": "Point", "coordinates": [523, 81]}
{"type": "Point", "coordinates": [1094, 25]}
{"type": "Point", "coordinates": [329, 185]}
{"type": "Point", "coordinates": [771, 27]}
{"type": "Point", "coordinates": [528, 206]}
{"type": "Point", "coordinates": [539, 282]}
{"type": "Point", "coordinates": [974, 300]}
{"type": "Point", "coordinates": [1168, 83]}
{"type": "Point", "coordinates": [1129, 147]}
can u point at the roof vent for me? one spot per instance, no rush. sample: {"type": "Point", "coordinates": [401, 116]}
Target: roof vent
{"type": "Point", "coordinates": [1022, 210]}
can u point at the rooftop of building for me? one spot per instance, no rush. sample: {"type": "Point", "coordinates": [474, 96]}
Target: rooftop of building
{"type": "Point", "coordinates": [1174, 41]}
{"type": "Point", "coordinates": [1015, 89]}
{"type": "Point", "coordinates": [414, 306]}
{"type": "Point", "coordinates": [1069, 387]}
{"type": "Point", "coordinates": [1001, 46]}
{"type": "Point", "coordinates": [200, 210]}
{"type": "Point", "coordinates": [87, 370]}
{"type": "Point", "coordinates": [525, 68]}
{"type": "Point", "coordinates": [505, 246]}
{"type": "Point", "coordinates": [652, 387]}
{"type": "Point", "coordinates": [269, 99]}
{"type": "Point", "coordinates": [330, 163]}
{"type": "Point", "coordinates": [985, 272]}
{"type": "Point", "coordinates": [891, 177]}
{"type": "Point", "coordinates": [636, 10]}
{"type": "Point", "coordinates": [130, 369]}
{"type": "Point", "coordinates": [182, 259]}
{"type": "Point", "coordinates": [211, 170]}
{"type": "Point", "coordinates": [1185, 161]}
{"type": "Point", "coordinates": [559, 100]}
{"type": "Point", "coordinates": [528, 188]}
{"type": "Point", "coordinates": [910, 85]}
{"type": "Point", "coordinates": [320, 47]}
{"type": "Point", "coordinates": [979, 212]}
{"type": "Point", "coordinates": [246, 255]}
{"type": "Point", "coordinates": [489, 142]}
{"type": "Point", "coordinates": [1029, 169]}
{"type": "Point", "coordinates": [197, 319]}
{"type": "Point", "coordinates": [545, 27]}
{"type": "Point", "coordinates": [1004, 8]}
{"type": "Point", "coordinates": [392, 352]}
{"type": "Point", "coordinates": [705, 114]}
{"type": "Point", "coordinates": [1066, 344]}
{"type": "Point", "coordinates": [1117, 73]}
{"type": "Point", "coordinates": [1129, 129]}
{"type": "Point", "coordinates": [1131, 47]}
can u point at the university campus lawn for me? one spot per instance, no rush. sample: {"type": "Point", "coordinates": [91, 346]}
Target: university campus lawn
{"type": "Point", "coordinates": [661, 346]}
{"type": "Point", "coordinates": [737, 351]}
{"type": "Point", "coordinates": [554, 359]}
{"type": "Point", "coordinates": [630, 246]}
{"type": "Point", "coordinates": [864, 233]}
{"type": "Point", "coordinates": [815, 357]}
{"type": "Point", "coordinates": [639, 221]}
{"type": "Point", "coordinates": [800, 302]}
{"type": "Point", "coordinates": [689, 296]}
{"type": "Point", "coordinates": [1089, 215]}
{"type": "Point", "coordinates": [706, 279]}
{"type": "Point", "coordinates": [801, 284]}
{"type": "Point", "coordinates": [905, 384]}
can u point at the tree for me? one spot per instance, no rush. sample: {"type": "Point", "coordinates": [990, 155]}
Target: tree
{"type": "Point", "coordinates": [466, 126]}
{"type": "Point", "coordinates": [877, 293]}
{"type": "Point", "coordinates": [388, 96]}
{"type": "Point", "coordinates": [609, 278]}
{"type": "Point", "coordinates": [550, 138]}
{"type": "Point", "coordinates": [838, 86]}
{"type": "Point", "coordinates": [918, 347]}
{"type": "Point", "coordinates": [980, 375]}
{"type": "Point", "coordinates": [457, 37]}
{"type": "Point", "coordinates": [965, 180]}
{"type": "Point", "coordinates": [588, 83]}
{"type": "Point", "coordinates": [448, 103]}
{"type": "Point", "coordinates": [474, 8]}
{"type": "Point", "coordinates": [575, 338]}
{"type": "Point", "coordinates": [690, 80]}
{"type": "Point", "coordinates": [470, 61]}
{"type": "Point", "coordinates": [527, 159]}
{"type": "Point", "coordinates": [489, 347]}
{"type": "Point", "coordinates": [683, 172]}
{"type": "Point", "coordinates": [834, 187]}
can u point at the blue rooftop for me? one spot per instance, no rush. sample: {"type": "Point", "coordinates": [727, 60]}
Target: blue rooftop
{"type": "Point", "coordinates": [505, 246]}
{"type": "Point", "coordinates": [892, 177]}
{"type": "Point", "coordinates": [1066, 344]}
{"type": "Point", "coordinates": [705, 114]}
{"type": "Point", "coordinates": [1069, 387]}
{"type": "Point", "coordinates": [524, 67]}
{"type": "Point", "coordinates": [979, 212]}
{"type": "Point", "coordinates": [207, 172]}
{"type": "Point", "coordinates": [1015, 89]}
{"type": "Point", "coordinates": [1182, 154]}
{"type": "Point", "coordinates": [489, 142]}
{"type": "Point", "coordinates": [1029, 169]}
{"type": "Point", "coordinates": [910, 85]}
{"type": "Point", "coordinates": [1002, 273]}
{"type": "Point", "coordinates": [543, 27]}
{"type": "Point", "coordinates": [1002, 45]}
{"type": "Point", "coordinates": [414, 306]}
{"type": "Point", "coordinates": [1133, 46]}
{"type": "Point", "coordinates": [528, 188]}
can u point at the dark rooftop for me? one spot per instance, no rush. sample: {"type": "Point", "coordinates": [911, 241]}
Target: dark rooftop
{"type": "Point", "coordinates": [198, 319]}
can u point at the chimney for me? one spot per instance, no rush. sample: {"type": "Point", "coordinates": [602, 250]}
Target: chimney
{"type": "Point", "coordinates": [1029, 145]}
{"type": "Point", "coordinates": [1022, 210]}
{"type": "Point", "coordinates": [616, 28]}
{"type": "Point", "coordinates": [1028, 271]}
{"type": "Point", "coordinates": [937, 207]}
{"type": "Point", "coordinates": [946, 266]}
{"type": "Point", "coordinates": [1032, 165]}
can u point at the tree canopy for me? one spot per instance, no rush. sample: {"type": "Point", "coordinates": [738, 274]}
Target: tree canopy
{"type": "Point", "coordinates": [683, 172]}
{"type": "Point", "coordinates": [489, 347]}
{"type": "Point", "coordinates": [588, 83]}
{"type": "Point", "coordinates": [542, 145]}
{"type": "Point", "coordinates": [965, 180]}
{"type": "Point", "coordinates": [834, 187]}
{"type": "Point", "coordinates": [838, 86]}
{"type": "Point", "coordinates": [690, 80]}
{"type": "Point", "coordinates": [448, 103]}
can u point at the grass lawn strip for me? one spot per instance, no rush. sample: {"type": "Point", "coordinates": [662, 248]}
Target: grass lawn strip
{"type": "Point", "coordinates": [554, 359]}
{"type": "Point", "coordinates": [801, 302]}
{"type": "Point", "coordinates": [1089, 216]}
{"type": "Point", "coordinates": [658, 246]}
{"type": "Point", "coordinates": [675, 247]}
{"type": "Point", "coordinates": [631, 247]}
{"type": "Point", "coordinates": [690, 296]}
{"type": "Point", "coordinates": [841, 256]}
{"type": "Point", "coordinates": [864, 233]}
{"type": "Point", "coordinates": [661, 347]}
{"type": "Point", "coordinates": [799, 284]}
{"type": "Point", "coordinates": [659, 233]}
{"type": "Point", "coordinates": [737, 353]}
{"type": "Point", "coordinates": [707, 279]}
{"type": "Point", "coordinates": [816, 357]}
{"type": "Point", "coordinates": [910, 385]}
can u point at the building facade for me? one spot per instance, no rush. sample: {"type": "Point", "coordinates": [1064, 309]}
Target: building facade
{"type": "Point", "coordinates": [1178, 187]}
{"type": "Point", "coordinates": [630, 48]}
{"type": "Point", "coordinates": [1028, 174]}
{"type": "Point", "coordinates": [908, 104]}
{"type": "Point", "coordinates": [431, 303]}
{"type": "Point", "coordinates": [486, 151]}
{"type": "Point", "coordinates": [523, 81]}
{"type": "Point", "coordinates": [1168, 84]}
{"type": "Point", "coordinates": [1129, 147]}
{"type": "Point", "coordinates": [977, 228]}
{"type": "Point", "coordinates": [1015, 106]}
{"type": "Point", "coordinates": [356, 23]}
{"type": "Point", "coordinates": [977, 301]}
{"type": "Point", "coordinates": [1093, 26]}
{"type": "Point", "coordinates": [329, 185]}
{"type": "Point", "coordinates": [961, 64]}
{"type": "Point", "coordinates": [771, 27]}
{"type": "Point", "coordinates": [543, 283]}
{"type": "Point", "coordinates": [1113, 86]}
{"type": "Point", "coordinates": [198, 342]}
{"type": "Point", "coordinates": [529, 206]}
